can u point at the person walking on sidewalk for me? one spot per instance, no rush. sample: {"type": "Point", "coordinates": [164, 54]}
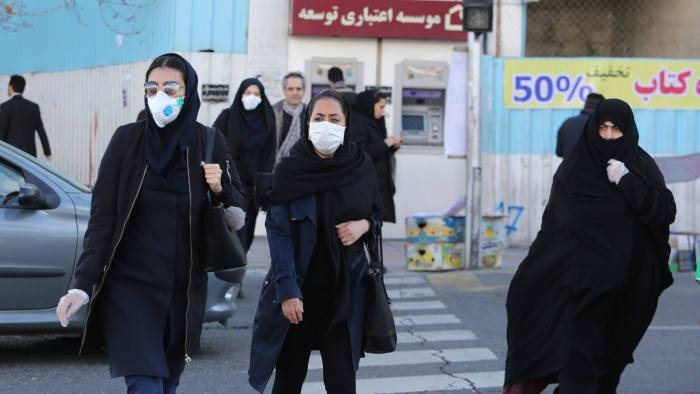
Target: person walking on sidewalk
{"type": "Point", "coordinates": [20, 120]}
{"type": "Point", "coordinates": [368, 131]}
{"type": "Point", "coordinates": [582, 299]}
{"type": "Point", "coordinates": [140, 267]}
{"type": "Point", "coordinates": [324, 202]}
{"type": "Point", "coordinates": [249, 128]}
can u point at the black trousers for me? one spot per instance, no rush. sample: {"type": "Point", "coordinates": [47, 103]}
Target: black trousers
{"type": "Point", "coordinates": [293, 361]}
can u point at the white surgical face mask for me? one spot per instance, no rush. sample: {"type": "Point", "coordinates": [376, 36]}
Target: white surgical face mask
{"type": "Point", "coordinates": [164, 108]}
{"type": "Point", "coordinates": [250, 101]}
{"type": "Point", "coordinates": [326, 136]}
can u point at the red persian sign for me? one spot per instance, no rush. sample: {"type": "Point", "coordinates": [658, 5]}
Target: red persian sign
{"type": "Point", "coordinates": [417, 19]}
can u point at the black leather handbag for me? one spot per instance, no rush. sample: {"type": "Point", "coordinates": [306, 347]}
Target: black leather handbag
{"type": "Point", "coordinates": [221, 247]}
{"type": "Point", "coordinates": [379, 330]}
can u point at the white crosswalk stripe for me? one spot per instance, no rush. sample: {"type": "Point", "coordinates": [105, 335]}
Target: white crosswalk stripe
{"type": "Point", "coordinates": [403, 280]}
{"type": "Point", "coordinates": [428, 340]}
{"type": "Point", "coordinates": [417, 305]}
{"type": "Point", "coordinates": [411, 292]}
{"type": "Point", "coordinates": [435, 336]}
{"type": "Point", "coordinates": [419, 384]}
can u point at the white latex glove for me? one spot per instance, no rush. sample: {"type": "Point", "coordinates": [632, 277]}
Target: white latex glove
{"type": "Point", "coordinates": [69, 304]}
{"type": "Point", "coordinates": [616, 170]}
{"type": "Point", "coordinates": [235, 218]}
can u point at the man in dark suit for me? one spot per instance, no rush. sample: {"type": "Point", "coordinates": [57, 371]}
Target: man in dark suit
{"type": "Point", "coordinates": [20, 119]}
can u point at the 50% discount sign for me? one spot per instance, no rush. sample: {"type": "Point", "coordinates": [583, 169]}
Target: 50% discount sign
{"type": "Point", "coordinates": [551, 90]}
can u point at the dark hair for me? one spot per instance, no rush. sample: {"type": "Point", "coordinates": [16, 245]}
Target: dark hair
{"type": "Point", "coordinates": [294, 74]}
{"type": "Point", "coordinates": [378, 96]}
{"type": "Point", "coordinates": [335, 74]}
{"type": "Point", "coordinates": [18, 83]}
{"type": "Point", "coordinates": [327, 94]}
{"type": "Point", "coordinates": [169, 61]}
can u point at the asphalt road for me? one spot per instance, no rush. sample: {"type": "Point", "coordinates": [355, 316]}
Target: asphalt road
{"type": "Point", "coordinates": [470, 304]}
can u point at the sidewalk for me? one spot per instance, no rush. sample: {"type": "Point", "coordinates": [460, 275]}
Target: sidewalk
{"type": "Point", "coordinates": [259, 256]}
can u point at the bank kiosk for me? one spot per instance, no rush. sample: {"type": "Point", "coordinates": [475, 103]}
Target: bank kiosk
{"type": "Point", "coordinates": [419, 102]}
{"type": "Point", "coordinates": [317, 73]}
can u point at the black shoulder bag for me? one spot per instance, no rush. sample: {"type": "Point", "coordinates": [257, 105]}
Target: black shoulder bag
{"type": "Point", "coordinates": [379, 330]}
{"type": "Point", "coordinates": [221, 248]}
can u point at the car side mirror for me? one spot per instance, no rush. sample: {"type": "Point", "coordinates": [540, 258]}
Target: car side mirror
{"type": "Point", "coordinates": [30, 196]}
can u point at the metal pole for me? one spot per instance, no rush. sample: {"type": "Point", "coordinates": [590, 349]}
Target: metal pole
{"type": "Point", "coordinates": [474, 157]}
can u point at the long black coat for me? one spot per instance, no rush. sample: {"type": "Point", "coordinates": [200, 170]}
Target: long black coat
{"type": "Point", "coordinates": [368, 134]}
{"type": "Point", "coordinates": [20, 119]}
{"type": "Point", "coordinates": [119, 180]}
{"type": "Point", "coordinates": [585, 294]}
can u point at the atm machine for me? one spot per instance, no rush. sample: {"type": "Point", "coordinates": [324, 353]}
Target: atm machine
{"type": "Point", "coordinates": [317, 73]}
{"type": "Point", "coordinates": [419, 102]}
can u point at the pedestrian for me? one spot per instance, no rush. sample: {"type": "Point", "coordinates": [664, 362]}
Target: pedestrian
{"type": "Point", "coordinates": [140, 267]}
{"type": "Point", "coordinates": [368, 131]}
{"type": "Point", "coordinates": [336, 81]}
{"type": "Point", "coordinates": [570, 131]}
{"type": "Point", "coordinates": [249, 127]}
{"type": "Point", "coordinates": [582, 299]}
{"type": "Point", "coordinates": [20, 120]}
{"type": "Point", "coordinates": [324, 203]}
{"type": "Point", "coordinates": [289, 113]}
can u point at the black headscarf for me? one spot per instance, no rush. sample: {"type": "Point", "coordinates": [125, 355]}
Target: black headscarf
{"type": "Point", "coordinates": [363, 111]}
{"type": "Point", "coordinates": [345, 183]}
{"type": "Point", "coordinates": [252, 127]}
{"type": "Point", "coordinates": [168, 144]}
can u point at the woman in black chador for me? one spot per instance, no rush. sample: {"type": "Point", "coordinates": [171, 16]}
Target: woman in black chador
{"type": "Point", "coordinates": [324, 200]}
{"type": "Point", "coordinates": [368, 131]}
{"type": "Point", "coordinates": [585, 294]}
{"type": "Point", "coordinates": [140, 265]}
{"type": "Point", "coordinates": [249, 127]}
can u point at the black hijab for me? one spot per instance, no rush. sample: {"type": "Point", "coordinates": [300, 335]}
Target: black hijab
{"type": "Point", "coordinates": [166, 145]}
{"type": "Point", "coordinates": [253, 127]}
{"type": "Point", "coordinates": [346, 186]}
{"type": "Point", "coordinates": [363, 112]}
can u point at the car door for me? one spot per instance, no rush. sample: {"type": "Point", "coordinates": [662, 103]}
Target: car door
{"type": "Point", "coordinates": [37, 246]}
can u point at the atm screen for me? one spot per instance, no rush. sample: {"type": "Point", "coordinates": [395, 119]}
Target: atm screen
{"type": "Point", "coordinates": [412, 122]}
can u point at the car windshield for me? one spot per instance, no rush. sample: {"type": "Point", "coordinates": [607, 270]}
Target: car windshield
{"type": "Point", "coordinates": [75, 183]}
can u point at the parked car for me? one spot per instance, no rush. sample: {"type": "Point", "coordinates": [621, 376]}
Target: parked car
{"type": "Point", "coordinates": [43, 218]}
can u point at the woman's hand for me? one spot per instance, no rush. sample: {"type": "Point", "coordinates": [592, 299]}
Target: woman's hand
{"type": "Point", "coordinates": [349, 232]}
{"type": "Point", "coordinates": [212, 174]}
{"type": "Point", "coordinates": [68, 305]}
{"type": "Point", "coordinates": [293, 310]}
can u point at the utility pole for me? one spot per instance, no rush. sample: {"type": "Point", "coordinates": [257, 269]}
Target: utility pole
{"type": "Point", "coordinates": [477, 18]}
{"type": "Point", "coordinates": [473, 161]}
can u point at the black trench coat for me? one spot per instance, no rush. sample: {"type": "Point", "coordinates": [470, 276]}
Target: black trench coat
{"type": "Point", "coordinates": [119, 181]}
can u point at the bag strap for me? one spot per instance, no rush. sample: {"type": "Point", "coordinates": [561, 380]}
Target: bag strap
{"type": "Point", "coordinates": [376, 251]}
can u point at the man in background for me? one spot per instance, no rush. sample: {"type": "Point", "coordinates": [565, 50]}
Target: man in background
{"type": "Point", "coordinates": [571, 129]}
{"type": "Point", "coordinates": [20, 119]}
{"type": "Point", "coordinates": [336, 81]}
{"type": "Point", "coordinates": [289, 113]}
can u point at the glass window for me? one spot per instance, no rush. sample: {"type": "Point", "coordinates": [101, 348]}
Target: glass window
{"type": "Point", "coordinates": [10, 179]}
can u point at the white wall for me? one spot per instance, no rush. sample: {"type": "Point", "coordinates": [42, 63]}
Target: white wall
{"type": "Point", "coordinates": [81, 109]}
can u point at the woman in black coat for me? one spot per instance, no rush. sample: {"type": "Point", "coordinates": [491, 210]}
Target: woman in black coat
{"type": "Point", "coordinates": [324, 202]}
{"type": "Point", "coordinates": [368, 131]}
{"type": "Point", "coordinates": [585, 294]}
{"type": "Point", "coordinates": [140, 265]}
{"type": "Point", "coordinates": [250, 129]}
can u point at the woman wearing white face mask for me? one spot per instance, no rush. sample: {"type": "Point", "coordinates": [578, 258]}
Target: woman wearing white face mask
{"type": "Point", "coordinates": [249, 127]}
{"type": "Point", "coordinates": [139, 269]}
{"type": "Point", "coordinates": [324, 202]}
